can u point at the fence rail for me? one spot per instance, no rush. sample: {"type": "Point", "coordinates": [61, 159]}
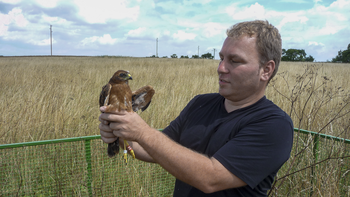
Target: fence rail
{"type": "Point", "coordinates": [79, 166]}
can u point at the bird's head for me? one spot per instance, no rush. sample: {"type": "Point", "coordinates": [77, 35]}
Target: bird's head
{"type": "Point", "coordinates": [121, 76]}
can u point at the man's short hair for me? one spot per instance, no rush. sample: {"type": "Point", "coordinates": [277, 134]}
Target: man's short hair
{"type": "Point", "coordinates": [268, 40]}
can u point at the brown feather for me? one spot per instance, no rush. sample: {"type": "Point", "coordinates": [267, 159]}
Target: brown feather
{"type": "Point", "coordinates": [142, 97]}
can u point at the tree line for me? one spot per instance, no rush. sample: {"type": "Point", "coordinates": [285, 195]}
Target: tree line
{"type": "Point", "coordinates": [203, 56]}
{"type": "Point", "coordinates": [292, 55]}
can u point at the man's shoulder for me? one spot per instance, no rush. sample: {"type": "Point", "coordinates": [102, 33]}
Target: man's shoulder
{"type": "Point", "coordinates": [264, 109]}
{"type": "Point", "coordinates": [267, 105]}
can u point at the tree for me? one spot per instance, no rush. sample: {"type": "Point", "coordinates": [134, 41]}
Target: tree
{"type": "Point", "coordinates": [195, 57]}
{"type": "Point", "coordinates": [186, 56]}
{"type": "Point", "coordinates": [296, 55]}
{"type": "Point", "coordinates": [207, 56]}
{"type": "Point", "coordinates": [343, 56]}
{"type": "Point", "coordinates": [309, 59]}
{"type": "Point", "coordinates": [173, 56]}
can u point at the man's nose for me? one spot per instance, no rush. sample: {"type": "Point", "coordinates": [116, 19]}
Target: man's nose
{"type": "Point", "coordinates": [222, 67]}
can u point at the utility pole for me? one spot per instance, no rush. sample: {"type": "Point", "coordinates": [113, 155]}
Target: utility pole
{"type": "Point", "coordinates": [214, 53]}
{"type": "Point", "coordinates": [51, 38]}
{"type": "Point", "coordinates": [198, 51]}
{"type": "Point", "coordinates": [157, 47]}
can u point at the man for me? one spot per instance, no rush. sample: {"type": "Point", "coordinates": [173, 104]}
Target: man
{"type": "Point", "coordinates": [230, 143]}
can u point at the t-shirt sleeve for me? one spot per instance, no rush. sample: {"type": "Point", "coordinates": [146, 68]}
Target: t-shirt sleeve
{"type": "Point", "coordinates": [173, 130]}
{"type": "Point", "coordinates": [258, 149]}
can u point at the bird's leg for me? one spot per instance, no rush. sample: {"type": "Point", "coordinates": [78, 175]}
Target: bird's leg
{"type": "Point", "coordinates": [125, 153]}
{"type": "Point", "coordinates": [128, 147]}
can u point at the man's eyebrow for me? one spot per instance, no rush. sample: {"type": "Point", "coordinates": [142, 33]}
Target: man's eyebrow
{"type": "Point", "coordinates": [231, 55]}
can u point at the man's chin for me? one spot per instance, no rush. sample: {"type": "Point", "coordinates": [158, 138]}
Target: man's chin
{"type": "Point", "coordinates": [222, 92]}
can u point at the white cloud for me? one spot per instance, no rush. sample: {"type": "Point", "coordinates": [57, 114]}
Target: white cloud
{"type": "Point", "coordinates": [104, 40]}
{"type": "Point", "coordinates": [329, 29]}
{"type": "Point", "coordinates": [212, 29]}
{"type": "Point", "coordinates": [255, 11]}
{"type": "Point", "coordinates": [44, 42]}
{"type": "Point", "coordinates": [103, 10]}
{"type": "Point", "coordinates": [47, 3]}
{"type": "Point", "coordinates": [15, 17]}
{"type": "Point", "coordinates": [55, 20]}
{"type": "Point", "coordinates": [340, 4]}
{"type": "Point", "coordinates": [315, 43]}
{"type": "Point", "coordinates": [292, 17]}
{"type": "Point", "coordinates": [147, 32]}
{"type": "Point", "coordinates": [137, 32]}
{"type": "Point", "coordinates": [181, 35]}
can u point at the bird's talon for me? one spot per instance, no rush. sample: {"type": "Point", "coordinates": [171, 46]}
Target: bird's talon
{"type": "Point", "coordinates": [126, 157]}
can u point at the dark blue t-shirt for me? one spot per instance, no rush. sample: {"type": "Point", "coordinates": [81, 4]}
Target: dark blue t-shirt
{"type": "Point", "coordinates": [251, 142]}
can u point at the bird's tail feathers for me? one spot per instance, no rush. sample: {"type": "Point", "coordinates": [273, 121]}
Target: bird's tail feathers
{"type": "Point", "coordinates": [113, 148]}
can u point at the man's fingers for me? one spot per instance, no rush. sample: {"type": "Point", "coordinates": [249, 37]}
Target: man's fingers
{"type": "Point", "coordinates": [103, 109]}
{"type": "Point", "coordinates": [105, 128]}
{"type": "Point", "coordinates": [107, 134]}
{"type": "Point", "coordinates": [108, 140]}
{"type": "Point", "coordinates": [111, 117]}
{"type": "Point", "coordinates": [105, 122]}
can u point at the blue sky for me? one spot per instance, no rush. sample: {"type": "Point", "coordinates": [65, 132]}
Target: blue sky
{"type": "Point", "coordinates": [130, 27]}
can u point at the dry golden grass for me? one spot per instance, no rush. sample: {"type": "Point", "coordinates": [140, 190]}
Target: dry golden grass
{"type": "Point", "coordinates": [57, 97]}
{"type": "Point", "coordinates": [46, 98]}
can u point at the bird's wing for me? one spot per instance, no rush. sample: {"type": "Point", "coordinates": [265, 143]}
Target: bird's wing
{"type": "Point", "coordinates": [104, 96]}
{"type": "Point", "coordinates": [142, 97]}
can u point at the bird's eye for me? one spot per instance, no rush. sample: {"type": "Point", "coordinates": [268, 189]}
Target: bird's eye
{"type": "Point", "coordinates": [122, 75]}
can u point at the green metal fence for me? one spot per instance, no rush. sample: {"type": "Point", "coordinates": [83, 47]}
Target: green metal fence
{"type": "Point", "coordinates": [76, 167]}
{"type": "Point", "coordinates": [316, 140]}
{"type": "Point", "coordinates": [80, 167]}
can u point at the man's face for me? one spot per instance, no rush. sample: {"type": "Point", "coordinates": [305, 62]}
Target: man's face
{"type": "Point", "coordinates": [239, 70]}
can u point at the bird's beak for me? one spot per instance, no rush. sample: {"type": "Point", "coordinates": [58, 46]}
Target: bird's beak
{"type": "Point", "coordinates": [129, 77]}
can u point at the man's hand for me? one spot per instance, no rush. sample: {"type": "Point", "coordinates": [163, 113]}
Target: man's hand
{"type": "Point", "coordinates": [123, 124]}
{"type": "Point", "coordinates": [115, 124]}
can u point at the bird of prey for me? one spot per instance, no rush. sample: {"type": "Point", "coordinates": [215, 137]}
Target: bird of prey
{"type": "Point", "coordinates": [117, 96]}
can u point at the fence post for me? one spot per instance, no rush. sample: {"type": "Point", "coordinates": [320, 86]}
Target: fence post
{"type": "Point", "coordinates": [88, 166]}
{"type": "Point", "coordinates": [316, 146]}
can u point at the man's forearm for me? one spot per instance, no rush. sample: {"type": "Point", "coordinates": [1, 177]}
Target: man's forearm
{"type": "Point", "coordinates": [193, 168]}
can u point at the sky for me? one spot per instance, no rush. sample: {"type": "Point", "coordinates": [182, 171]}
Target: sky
{"type": "Point", "coordinates": [182, 27]}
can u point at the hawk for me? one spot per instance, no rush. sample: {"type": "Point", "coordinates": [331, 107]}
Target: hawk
{"type": "Point", "coordinates": [117, 96]}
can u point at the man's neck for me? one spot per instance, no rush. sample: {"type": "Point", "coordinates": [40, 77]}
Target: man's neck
{"type": "Point", "coordinates": [231, 106]}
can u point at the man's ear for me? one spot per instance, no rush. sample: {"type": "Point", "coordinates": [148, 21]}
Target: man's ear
{"type": "Point", "coordinates": [267, 70]}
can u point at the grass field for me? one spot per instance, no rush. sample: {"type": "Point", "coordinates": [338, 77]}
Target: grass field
{"type": "Point", "coordinates": [57, 97]}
